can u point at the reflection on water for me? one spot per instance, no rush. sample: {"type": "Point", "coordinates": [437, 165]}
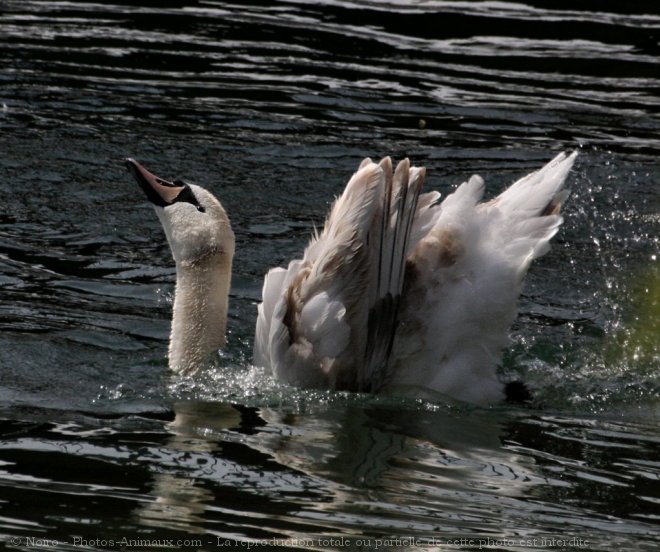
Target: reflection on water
{"type": "Point", "coordinates": [179, 502]}
{"type": "Point", "coordinates": [390, 468]}
{"type": "Point", "coordinates": [272, 105]}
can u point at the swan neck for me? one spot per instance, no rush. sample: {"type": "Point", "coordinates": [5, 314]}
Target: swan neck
{"type": "Point", "coordinates": [199, 319]}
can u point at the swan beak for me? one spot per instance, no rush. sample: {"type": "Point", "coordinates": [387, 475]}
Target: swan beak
{"type": "Point", "coordinates": [160, 192]}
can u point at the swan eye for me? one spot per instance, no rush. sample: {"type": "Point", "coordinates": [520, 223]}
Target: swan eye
{"type": "Point", "coordinates": [186, 195]}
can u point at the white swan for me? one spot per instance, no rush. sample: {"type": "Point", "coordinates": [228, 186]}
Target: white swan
{"type": "Point", "coordinates": [399, 289]}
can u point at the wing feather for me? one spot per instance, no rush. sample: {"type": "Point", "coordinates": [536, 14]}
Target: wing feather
{"type": "Point", "coordinates": [311, 323]}
{"type": "Point", "coordinates": [464, 278]}
{"type": "Point", "coordinates": [402, 288]}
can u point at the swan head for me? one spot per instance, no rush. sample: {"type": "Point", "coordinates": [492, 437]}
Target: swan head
{"type": "Point", "coordinates": [195, 223]}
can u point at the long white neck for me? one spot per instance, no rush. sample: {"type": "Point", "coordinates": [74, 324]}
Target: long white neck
{"type": "Point", "coordinates": [200, 311]}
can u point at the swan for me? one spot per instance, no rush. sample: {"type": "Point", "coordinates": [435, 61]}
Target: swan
{"type": "Point", "coordinates": [398, 290]}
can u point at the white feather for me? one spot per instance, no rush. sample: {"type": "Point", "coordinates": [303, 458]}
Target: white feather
{"type": "Point", "coordinates": [443, 278]}
{"type": "Point", "coordinates": [323, 325]}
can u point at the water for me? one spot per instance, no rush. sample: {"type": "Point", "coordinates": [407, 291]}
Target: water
{"type": "Point", "coordinates": [272, 105]}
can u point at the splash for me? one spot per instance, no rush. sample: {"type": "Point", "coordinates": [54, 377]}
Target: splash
{"type": "Point", "coordinates": [595, 345]}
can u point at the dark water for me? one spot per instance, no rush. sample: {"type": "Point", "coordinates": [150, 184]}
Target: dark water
{"type": "Point", "coordinates": [272, 105]}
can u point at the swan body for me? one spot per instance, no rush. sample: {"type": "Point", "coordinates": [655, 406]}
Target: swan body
{"type": "Point", "coordinates": [403, 289]}
{"type": "Point", "coordinates": [398, 289]}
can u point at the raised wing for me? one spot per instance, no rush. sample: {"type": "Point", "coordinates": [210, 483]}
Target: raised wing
{"type": "Point", "coordinates": [464, 277]}
{"type": "Point", "coordinates": [328, 320]}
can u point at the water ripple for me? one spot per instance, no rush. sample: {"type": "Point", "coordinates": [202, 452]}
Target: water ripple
{"type": "Point", "coordinates": [272, 105]}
